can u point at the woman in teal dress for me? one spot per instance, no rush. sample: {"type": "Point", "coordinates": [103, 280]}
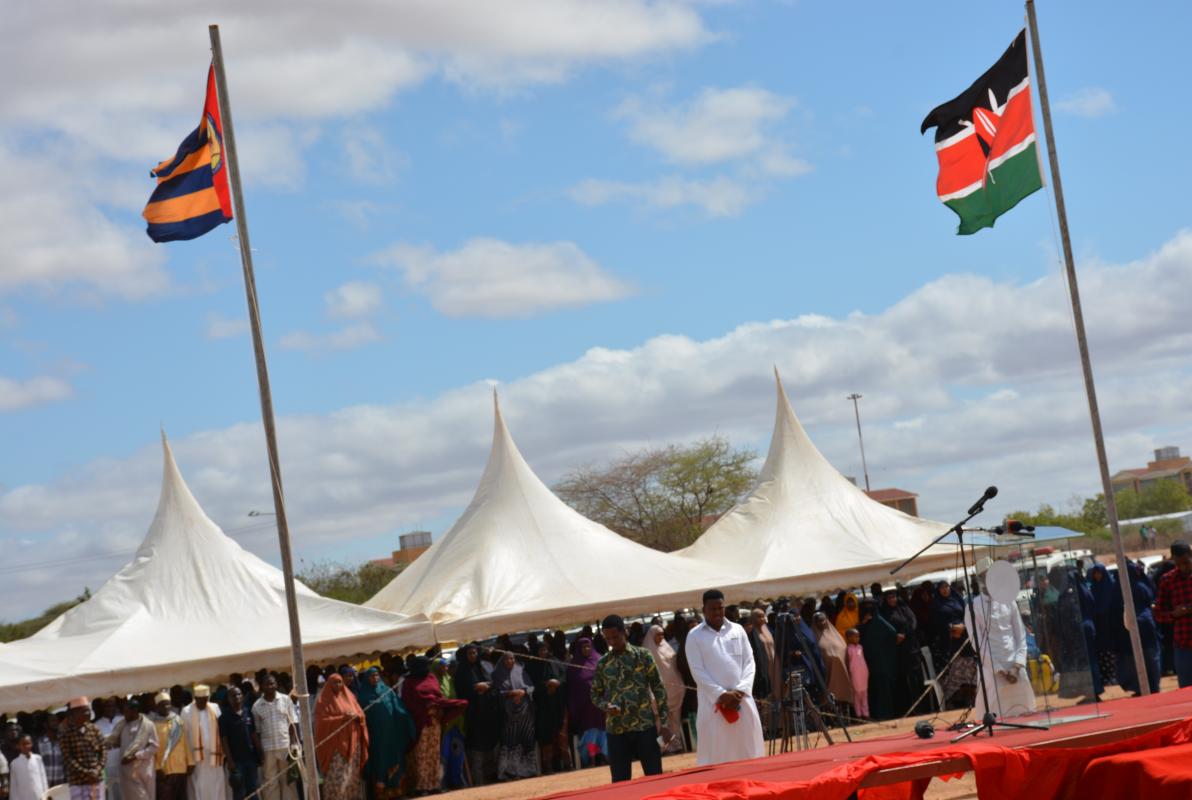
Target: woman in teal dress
{"type": "Point", "coordinates": [390, 733]}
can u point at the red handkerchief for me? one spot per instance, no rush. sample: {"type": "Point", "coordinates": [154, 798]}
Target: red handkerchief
{"type": "Point", "coordinates": [730, 715]}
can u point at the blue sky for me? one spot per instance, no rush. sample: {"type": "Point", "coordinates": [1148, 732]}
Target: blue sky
{"type": "Point", "coordinates": [442, 195]}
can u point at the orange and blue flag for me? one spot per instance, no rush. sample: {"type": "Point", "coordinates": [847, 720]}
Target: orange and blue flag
{"type": "Point", "coordinates": [192, 195]}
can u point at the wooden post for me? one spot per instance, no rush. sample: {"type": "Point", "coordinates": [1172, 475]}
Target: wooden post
{"type": "Point", "coordinates": [1119, 550]}
{"type": "Point", "coordinates": [298, 664]}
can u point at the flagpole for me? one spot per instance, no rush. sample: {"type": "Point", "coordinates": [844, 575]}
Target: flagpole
{"type": "Point", "coordinates": [311, 779]}
{"type": "Point", "coordinates": [1131, 621]}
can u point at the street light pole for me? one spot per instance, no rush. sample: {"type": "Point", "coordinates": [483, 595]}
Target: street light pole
{"type": "Point", "coordinates": [856, 411]}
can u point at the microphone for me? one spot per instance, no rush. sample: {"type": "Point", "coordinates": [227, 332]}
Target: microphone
{"type": "Point", "coordinates": [979, 506]}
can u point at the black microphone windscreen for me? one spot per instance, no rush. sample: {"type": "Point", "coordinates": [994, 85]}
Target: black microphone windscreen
{"type": "Point", "coordinates": [991, 492]}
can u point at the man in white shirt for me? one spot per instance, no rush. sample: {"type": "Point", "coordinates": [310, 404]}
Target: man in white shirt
{"type": "Point", "coordinates": [276, 731]}
{"type": "Point", "coordinates": [27, 779]}
{"type": "Point", "coordinates": [200, 724]}
{"type": "Point", "coordinates": [105, 720]}
{"type": "Point", "coordinates": [721, 661]}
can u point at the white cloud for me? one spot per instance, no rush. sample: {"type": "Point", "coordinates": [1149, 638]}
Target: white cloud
{"type": "Point", "coordinates": [353, 299]}
{"type": "Point", "coordinates": [37, 391]}
{"type": "Point", "coordinates": [934, 370]}
{"type": "Point", "coordinates": [348, 337]}
{"type": "Point", "coordinates": [719, 125]}
{"type": "Point", "coordinates": [55, 236]}
{"type": "Point", "coordinates": [1091, 101]}
{"type": "Point", "coordinates": [726, 128]}
{"type": "Point", "coordinates": [367, 157]}
{"type": "Point", "coordinates": [718, 197]}
{"type": "Point", "coordinates": [291, 67]}
{"type": "Point", "coordinates": [221, 327]}
{"type": "Point", "coordinates": [492, 278]}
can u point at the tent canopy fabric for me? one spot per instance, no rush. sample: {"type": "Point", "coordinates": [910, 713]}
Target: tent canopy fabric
{"type": "Point", "coordinates": [520, 558]}
{"type": "Point", "coordinates": [191, 605]}
{"type": "Point", "coordinates": [805, 528]}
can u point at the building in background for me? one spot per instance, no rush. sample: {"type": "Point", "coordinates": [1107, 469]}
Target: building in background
{"type": "Point", "coordinates": [900, 499]}
{"type": "Point", "coordinates": [1168, 465]}
{"type": "Point", "coordinates": [413, 544]}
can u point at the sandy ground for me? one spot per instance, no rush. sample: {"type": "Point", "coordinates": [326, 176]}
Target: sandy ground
{"type": "Point", "coordinates": [598, 776]}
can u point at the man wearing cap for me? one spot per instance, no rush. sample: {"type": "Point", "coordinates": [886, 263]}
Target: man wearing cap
{"type": "Point", "coordinates": [625, 687]}
{"type": "Point", "coordinates": [720, 658]}
{"type": "Point", "coordinates": [1002, 636]}
{"type": "Point", "coordinates": [83, 751]}
{"type": "Point", "coordinates": [135, 740]}
{"type": "Point", "coordinates": [173, 761]}
{"type": "Point", "coordinates": [200, 722]}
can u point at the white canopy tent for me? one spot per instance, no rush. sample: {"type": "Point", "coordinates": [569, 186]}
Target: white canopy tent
{"type": "Point", "coordinates": [520, 558]}
{"type": "Point", "coordinates": [192, 605]}
{"type": "Point", "coordinates": [806, 528]}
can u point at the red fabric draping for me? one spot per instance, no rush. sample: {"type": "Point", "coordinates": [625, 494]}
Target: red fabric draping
{"type": "Point", "coordinates": [1003, 773]}
{"type": "Point", "coordinates": [1156, 775]}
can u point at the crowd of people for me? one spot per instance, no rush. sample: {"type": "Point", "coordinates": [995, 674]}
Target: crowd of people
{"type": "Point", "coordinates": [519, 707]}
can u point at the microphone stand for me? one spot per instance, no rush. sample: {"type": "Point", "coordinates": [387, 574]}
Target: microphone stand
{"type": "Point", "coordinates": [989, 722]}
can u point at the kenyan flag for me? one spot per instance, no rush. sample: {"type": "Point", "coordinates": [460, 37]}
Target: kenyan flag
{"type": "Point", "coordinates": [985, 140]}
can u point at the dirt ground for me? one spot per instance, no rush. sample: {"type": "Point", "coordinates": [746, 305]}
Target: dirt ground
{"type": "Point", "coordinates": [598, 776]}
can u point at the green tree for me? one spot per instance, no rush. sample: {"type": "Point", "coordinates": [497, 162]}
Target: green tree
{"type": "Point", "coordinates": [10, 632]}
{"type": "Point", "coordinates": [344, 582]}
{"type": "Point", "coordinates": [1164, 497]}
{"type": "Point", "coordinates": [662, 497]}
{"type": "Point", "coordinates": [1129, 504]}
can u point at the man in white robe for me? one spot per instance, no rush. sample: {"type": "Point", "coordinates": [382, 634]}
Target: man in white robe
{"type": "Point", "coordinates": [1002, 637]}
{"type": "Point", "coordinates": [720, 657]}
{"type": "Point", "coordinates": [135, 740]}
{"type": "Point", "coordinates": [106, 720]}
{"type": "Point", "coordinates": [200, 722]}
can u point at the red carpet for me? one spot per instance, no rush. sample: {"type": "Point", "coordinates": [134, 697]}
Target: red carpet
{"type": "Point", "coordinates": [834, 772]}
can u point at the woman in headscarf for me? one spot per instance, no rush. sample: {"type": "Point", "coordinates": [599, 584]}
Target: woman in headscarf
{"type": "Point", "coordinates": [920, 605]}
{"type": "Point", "coordinates": [667, 661]}
{"type": "Point", "coordinates": [767, 638]}
{"type": "Point", "coordinates": [550, 709]}
{"type": "Point", "coordinates": [430, 709]}
{"type": "Point", "coordinates": [834, 650]}
{"type": "Point", "coordinates": [910, 672]}
{"type": "Point", "coordinates": [807, 610]}
{"type": "Point", "coordinates": [586, 720]}
{"type": "Point", "coordinates": [1107, 617]}
{"type": "Point", "coordinates": [827, 607]}
{"type": "Point", "coordinates": [879, 641]}
{"type": "Point", "coordinates": [517, 753]}
{"type": "Point", "coordinates": [849, 615]}
{"type": "Point", "coordinates": [482, 720]}
{"type": "Point", "coordinates": [391, 733]}
{"type": "Point", "coordinates": [341, 734]}
{"type": "Point", "coordinates": [1144, 597]}
{"type": "Point", "coordinates": [348, 673]}
{"type": "Point", "coordinates": [761, 672]}
{"type": "Point", "coordinates": [947, 635]}
{"type": "Point", "coordinates": [558, 646]}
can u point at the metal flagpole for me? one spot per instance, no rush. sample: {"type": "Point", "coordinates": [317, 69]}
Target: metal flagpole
{"type": "Point", "coordinates": [311, 781]}
{"type": "Point", "coordinates": [1131, 620]}
{"type": "Point", "coordinates": [865, 469]}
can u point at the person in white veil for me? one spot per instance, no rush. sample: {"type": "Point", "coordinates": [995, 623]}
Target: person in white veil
{"type": "Point", "coordinates": [1002, 636]}
{"type": "Point", "coordinates": [668, 668]}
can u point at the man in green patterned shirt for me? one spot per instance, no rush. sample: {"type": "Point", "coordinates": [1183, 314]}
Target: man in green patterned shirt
{"type": "Point", "coordinates": [626, 681]}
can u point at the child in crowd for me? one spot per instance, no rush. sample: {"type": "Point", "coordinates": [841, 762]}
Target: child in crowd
{"type": "Point", "coordinates": [27, 774]}
{"type": "Point", "coordinates": [858, 670]}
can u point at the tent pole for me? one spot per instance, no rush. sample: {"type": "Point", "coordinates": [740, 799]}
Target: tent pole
{"type": "Point", "coordinates": [1131, 621]}
{"type": "Point", "coordinates": [306, 718]}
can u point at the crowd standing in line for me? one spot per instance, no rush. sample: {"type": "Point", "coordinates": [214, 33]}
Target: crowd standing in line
{"type": "Point", "coordinates": [508, 710]}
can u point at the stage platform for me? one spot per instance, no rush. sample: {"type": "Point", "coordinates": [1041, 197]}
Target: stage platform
{"type": "Point", "coordinates": [905, 757]}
